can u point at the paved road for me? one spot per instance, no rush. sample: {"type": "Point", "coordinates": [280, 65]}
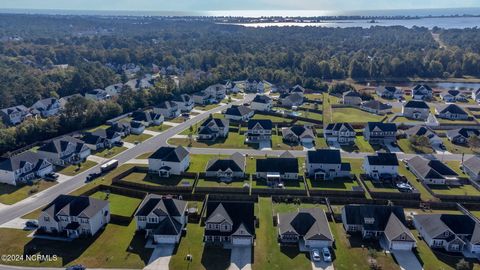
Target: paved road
{"type": "Point", "coordinates": [40, 199]}
{"type": "Point", "coordinates": [8, 267]}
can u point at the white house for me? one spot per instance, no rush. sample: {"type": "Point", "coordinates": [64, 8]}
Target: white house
{"type": "Point", "coordinates": [326, 164]}
{"type": "Point", "coordinates": [184, 102]}
{"type": "Point", "coordinates": [261, 103]}
{"type": "Point", "coordinates": [64, 151]}
{"type": "Point", "coordinates": [168, 161]}
{"type": "Point", "coordinates": [23, 168]}
{"type": "Point", "coordinates": [168, 109]}
{"type": "Point", "coordinates": [239, 113]}
{"type": "Point", "coordinates": [381, 166]}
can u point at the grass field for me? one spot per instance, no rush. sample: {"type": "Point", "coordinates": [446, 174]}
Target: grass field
{"type": "Point", "coordinates": [337, 184]}
{"type": "Point", "coordinates": [109, 153]}
{"type": "Point", "coordinates": [401, 119]}
{"type": "Point", "coordinates": [119, 204]}
{"type": "Point", "coordinates": [278, 144]}
{"type": "Point", "coordinates": [380, 187]}
{"type": "Point", "coordinates": [206, 107]}
{"type": "Point", "coordinates": [456, 148]}
{"type": "Point", "coordinates": [74, 169]}
{"type": "Point", "coordinates": [408, 148]}
{"type": "Point", "coordinates": [412, 179]}
{"type": "Point", "coordinates": [217, 183]}
{"type": "Point", "coordinates": [159, 128]}
{"type": "Point", "coordinates": [155, 180]}
{"type": "Point", "coordinates": [467, 190]}
{"type": "Point", "coordinates": [12, 194]}
{"type": "Point", "coordinates": [234, 140]}
{"type": "Point", "coordinates": [137, 138]}
{"type": "Point", "coordinates": [293, 207]}
{"type": "Point", "coordinates": [274, 119]}
{"type": "Point", "coordinates": [352, 115]}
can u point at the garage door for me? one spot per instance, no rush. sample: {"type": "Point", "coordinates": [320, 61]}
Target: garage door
{"type": "Point", "coordinates": [402, 245]}
{"type": "Point", "coordinates": [317, 243]}
{"type": "Point", "coordinates": [242, 241]}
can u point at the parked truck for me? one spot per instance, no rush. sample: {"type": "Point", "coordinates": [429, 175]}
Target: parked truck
{"type": "Point", "coordinates": [112, 164]}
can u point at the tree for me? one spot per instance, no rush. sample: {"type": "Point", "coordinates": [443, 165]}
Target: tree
{"type": "Point", "coordinates": [462, 265]}
{"type": "Point", "coordinates": [474, 142]}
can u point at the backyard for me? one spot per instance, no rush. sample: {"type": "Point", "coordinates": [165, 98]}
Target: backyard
{"type": "Point", "coordinates": [353, 115]}
{"type": "Point", "coordinates": [155, 180]}
{"type": "Point", "coordinates": [132, 138]}
{"type": "Point", "coordinates": [119, 204]}
{"type": "Point", "coordinates": [109, 153]}
{"type": "Point", "coordinates": [234, 140]}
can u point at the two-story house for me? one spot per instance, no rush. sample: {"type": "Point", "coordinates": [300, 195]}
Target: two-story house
{"type": "Point", "coordinates": [213, 129]}
{"type": "Point", "coordinates": [203, 98]}
{"type": "Point", "coordinates": [471, 167]}
{"type": "Point", "coordinates": [386, 223]}
{"type": "Point", "coordinates": [162, 218]}
{"type": "Point", "coordinates": [352, 98]}
{"type": "Point", "coordinates": [259, 130]}
{"type": "Point", "coordinates": [74, 216]}
{"type": "Point", "coordinates": [461, 135]}
{"type": "Point", "coordinates": [148, 118]}
{"type": "Point", "coordinates": [451, 232]}
{"type": "Point", "coordinates": [451, 112]}
{"type": "Point", "coordinates": [64, 151]}
{"type": "Point", "coordinates": [297, 89]}
{"type": "Point", "coordinates": [229, 223]}
{"type": "Point", "coordinates": [168, 109]}
{"type": "Point", "coordinates": [226, 169]}
{"type": "Point", "coordinates": [326, 164]}
{"type": "Point", "coordinates": [309, 225]}
{"type": "Point", "coordinates": [432, 172]}
{"type": "Point", "coordinates": [46, 107]}
{"type": "Point", "coordinates": [101, 139]}
{"type": "Point", "coordinates": [382, 166]}
{"type": "Point", "coordinates": [239, 113]}
{"type": "Point", "coordinates": [341, 133]}
{"type": "Point", "coordinates": [276, 170]}
{"type": "Point", "coordinates": [416, 109]}
{"type": "Point", "coordinates": [218, 91]}
{"type": "Point", "coordinates": [422, 92]}
{"type": "Point", "coordinates": [23, 168]}
{"type": "Point", "coordinates": [376, 107]}
{"type": "Point", "coordinates": [453, 96]}
{"type": "Point", "coordinates": [184, 102]}
{"type": "Point", "coordinates": [14, 115]}
{"type": "Point", "coordinates": [291, 100]}
{"type": "Point", "coordinates": [261, 103]}
{"type": "Point", "coordinates": [168, 161]}
{"type": "Point", "coordinates": [380, 133]}
{"type": "Point", "coordinates": [424, 131]}
{"type": "Point", "coordinates": [298, 134]}
{"type": "Point", "coordinates": [389, 92]}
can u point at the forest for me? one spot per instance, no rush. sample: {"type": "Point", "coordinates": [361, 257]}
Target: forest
{"type": "Point", "coordinates": [31, 47]}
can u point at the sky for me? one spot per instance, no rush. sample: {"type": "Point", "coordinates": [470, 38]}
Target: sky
{"type": "Point", "coordinates": [204, 5]}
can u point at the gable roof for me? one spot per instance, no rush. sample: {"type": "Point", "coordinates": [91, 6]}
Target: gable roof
{"type": "Point", "coordinates": [422, 86]}
{"type": "Point", "coordinates": [431, 168]}
{"type": "Point", "coordinates": [262, 99]}
{"type": "Point", "coordinates": [19, 108]}
{"type": "Point", "coordinates": [372, 217]}
{"type": "Point", "coordinates": [452, 108]}
{"type": "Point", "coordinates": [171, 154]}
{"type": "Point", "coordinates": [312, 224]}
{"type": "Point", "coordinates": [239, 214]}
{"type": "Point", "coordinates": [235, 162]}
{"type": "Point", "coordinates": [324, 156]}
{"type": "Point", "coordinates": [161, 206]}
{"type": "Point", "coordinates": [396, 228]}
{"type": "Point", "coordinates": [237, 110]}
{"type": "Point", "coordinates": [274, 164]}
{"type": "Point", "coordinates": [59, 145]}
{"type": "Point", "coordinates": [473, 164]}
{"type": "Point", "coordinates": [16, 162]}
{"type": "Point", "coordinates": [339, 126]}
{"type": "Point", "coordinates": [420, 131]}
{"type": "Point", "coordinates": [464, 132]}
{"type": "Point", "coordinates": [386, 127]}
{"type": "Point", "coordinates": [436, 224]}
{"type": "Point", "coordinates": [376, 105]}
{"type": "Point", "coordinates": [80, 206]}
{"type": "Point", "coordinates": [383, 159]}
{"type": "Point", "coordinates": [299, 131]}
{"type": "Point", "coordinates": [351, 93]}
{"type": "Point", "coordinates": [265, 124]}
{"type": "Point", "coordinates": [294, 98]}
{"type": "Point", "coordinates": [416, 104]}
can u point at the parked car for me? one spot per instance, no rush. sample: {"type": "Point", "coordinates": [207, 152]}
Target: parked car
{"type": "Point", "coordinates": [76, 267]}
{"type": "Point", "coordinates": [186, 115]}
{"type": "Point", "coordinates": [316, 255]}
{"type": "Point", "coordinates": [92, 177]}
{"type": "Point", "coordinates": [31, 223]}
{"type": "Point", "coordinates": [327, 257]}
{"type": "Point", "coordinates": [119, 144]}
{"type": "Point", "coordinates": [442, 146]}
{"type": "Point", "coordinates": [51, 176]}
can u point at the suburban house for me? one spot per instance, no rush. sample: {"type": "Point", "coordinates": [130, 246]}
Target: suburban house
{"type": "Point", "coordinates": [226, 169]}
{"type": "Point", "coordinates": [138, 84]}
{"type": "Point", "coordinates": [422, 92]}
{"type": "Point", "coordinates": [382, 166]}
{"type": "Point", "coordinates": [291, 100]}
{"type": "Point", "coordinates": [218, 91]}
{"type": "Point", "coordinates": [352, 98]}
{"type": "Point", "coordinates": [424, 131]}
{"type": "Point", "coordinates": [326, 164]}
{"type": "Point", "coordinates": [380, 133]}
{"type": "Point", "coordinates": [389, 92]}
{"type": "Point", "coordinates": [461, 135]}
{"type": "Point", "coordinates": [148, 118]}
{"type": "Point", "coordinates": [261, 103]}
{"type": "Point", "coordinates": [212, 129]}
{"type": "Point", "coordinates": [168, 109]}
{"type": "Point", "coordinates": [162, 218]}
{"type": "Point", "coordinates": [14, 115]}
{"type": "Point", "coordinates": [203, 98]}
{"type": "Point", "coordinates": [184, 102]}
{"type": "Point", "coordinates": [306, 226]}
{"type": "Point", "coordinates": [120, 127]}
{"type": "Point", "coordinates": [376, 107]}
{"type": "Point", "coordinates": [297, 89]}
{"type": "Point", "coordinates": [451, 112]}
{"type": "Point", "coordinates": [298, 134]}
{"type": "Point", "coordinates": [471, 167]}
{"type": "Point", "coordinates": [383, 222]}
{"type": "Point", "coordinates": [23, 168]}
{"type": "Point", "coordinates": [232, 87]}
{"type": "Point", "coordinates": [254, 86]}
{"type": "Point", "coordinates": [476, 95]}
{"type": "Point", "coordinates": [341, 133]}
{"type": "Point", "coordinates": [64, 151]}
{"type": "Point", "coordinates": [74, 216]}
{"type": "Point", "coordinates": [101, 138]}
{"type": "Point", "coordinates": [114, 89]}
{"type": "Point", "coordinates": [277, 169]}
{"type": "Point", "coordinates": [46, 107]}
{"type": "Point", "coordinates": [416, 109]}
{"type": "Point", "coordinates": [97, 95]}
{"type": "Point", "coordinates": [451, 232]}
{"type": "Point", "coordinates": [136, 127]}
{"type": "Point", "coordinates": [432, 172]}
{"type": "Point", "coordinates": [239, 113]}
{"type": "Point", "coordinates": [229, 223]}
{"type": "Point", "coordinates": [453, 96]}
{"type": "Point", "coordinates": [259, 130]}
{"type": "Point", "coordinates": [167, 161]}
{"type": "Point", "coordinates": [66, 99]}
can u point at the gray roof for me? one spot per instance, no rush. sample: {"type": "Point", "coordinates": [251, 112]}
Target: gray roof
{"type": "Point", "coordinates": [237, 110]}
{"type": "Point", "coordinates": [294, 98]}
{"type": "Point", "coordinates": [280, 165]}
{"type": "Point", "coordinates": [312, 224]}
{"type": "Point", "coordinates": [436, 224]}
{"type": "Point", "coordinates": [395, 228]}
{"type": "Point", "coordinates": [59, 145]}
{"type": "Point", "coordinates": [385, 159]}
{"type": "Point", "coordinates": [262, 99]}
{"type": "Point", "coordinates": [372, 217]}
{"type": "Point", "coordinates": [171, 154]}
{"type": "Point", "coordinates": [351, 93]}
{"type": "Point", "coordinates": [299, 131]}
{"type": "Point", "coordinates": [430, 168]}
{"type": "Point", "coordinates": [376, 105]}
{"type": "Point", "coordinates": [420, 131]}
{"type": "Point", "coordinates": [416, 104]}
{"type": "Point", "coordinates": [235, 162]}
{"type": "Point", "coordinates": [16, 162]}
{"type": "Point", "coordinates": [473, 164]}
{"type": "Point", "coordinates": [338, 126]}
{"type": "Point", "coordinates": [161, 206]}
{"type": "Point", "coordinates": [19, 108]}
{"type": "Point", "coordinates": [451, 108]}
{"type": "Point", "coordinates": [69, 205]}
{"type": "Point", "coordinates": [463, 132]}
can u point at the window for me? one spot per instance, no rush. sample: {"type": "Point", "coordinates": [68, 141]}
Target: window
{"type": "Point", "coordinates": [47, 219]}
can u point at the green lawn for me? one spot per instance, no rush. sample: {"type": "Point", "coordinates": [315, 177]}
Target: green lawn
{"type": "Point", "coordinates": [137, 138]}
{"type": "Point", "coordinates": [74, 169]}
{"type": "Point", "coordinates": [408, 148]}
{"type": "Point", "coordinates": [179, 119]}
{"type": "Point", "coordinates": [99, 127]}
{"type": "Point", "coordinates": [380, 187]}
{"type": "Point", "coordinates": [144, 155]}
{"type": "Point", "coordinates": [412, 179]}
{"type": "Point", "coordinates": [274, 119]}
{"type": "Point", "coordinates": [455, 165]}
{"type": "Point", "coordinates": [119, 204]}
{"type": "Point", "coordinates": [216, 183]}
{"type": "Point", "coordinates": [320, 143]}
{"type": "Point", "coordinates": [293, 207]}
{"type": "Point", "coordinates": [234, 140]}
{"type": "Point", "coordinates": [109, 153]}
{"type": "Point", "coordinates": [203, 258]}
{"type": "Point", "coordinates": [198, 163]}
{"type": "Point", "coordinates": [268, 255]}
{"type": "Point", "coordinates": [327, 110]}
{"type": "Point", "coordinates": [159, 128]}
{"type": "Point", "coordinates": [363, 145]}
{"type": "Point", "coordinates": [12, 194]}
{"type": "Point", "coordinates": [455, 190]}
{"type": "Point", "coordinates": [278, 144]}
{"type": "Point", "coordinates": [456, 148]}
{"type": "Point", "coordinates": [314, 96]}
{"type": "Point", "coordinates": [337, 184]}
{"type": "Point", "coordinates": [126, 251]}
{"type": "Point", "coordinates": [353, 115]}
{"type": "Point", "coordinates": [402, 119]}
{"type": "Point", "coordinates": [155, 180]}
{"type": "Point", "coordinates": [206, 107]}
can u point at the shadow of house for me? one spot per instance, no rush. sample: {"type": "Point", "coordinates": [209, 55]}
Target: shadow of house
{"type": "Point", "coordinates": [137, 246]}
{"type": "Point", "coordinates": [214, 258]}
{"type": "Point", "coordinates": [292, 252]}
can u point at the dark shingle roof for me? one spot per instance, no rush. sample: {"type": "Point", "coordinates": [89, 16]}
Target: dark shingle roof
{"type": "Point", "coordinates": [266, 124]}
{"type": "Point", "coordinates": [473, 164]}
{"type": "Point", "coordinates": [238, 110]}
{"type": "Point", "coordinates": [59, 145]}
{"type": "Point", "coordinates": [74, 206]}
{"type": "Point", "coordinates": [453, 109]}
{"type": "Point", "coordinates": [160, 206]}
{"type": "Point", "coordinates": [240, 214]}
{"type": "Point", "coordinates": [420, 131]}
{"type": "Point", "coordinates": [309, 223]}
{"type": "Point", "coordinates": [464, 132]}
{"type": "Point", "coordinates": [324, 156]}
{"type": "Point", "coordinates": [436, 224]}
{"type": "Point", "coordinates": [171, 154]}
{"type": "Point", "coordinates": [385, 159]}
{"type": "Point", "coordinates": [372, 217]}
{"type": "Point", "coordinates": [430, 168]}
{"type": "Point", "coordinates": [338, 126]}
{"type": "Point", "coordinates": [376, 105]}
{"type": "Point", "coordinates": [235, 163]}
{"type": "Point", "coordinates": [281, 165]}
{"type": "Point", "coordinates": [262, 99]}
{"type": "Point", "coordinates": [416, 104]}
{"type": "Point", "coordinates": [382, 126]}
{"type": "Point", "coordinates": [16, 162]}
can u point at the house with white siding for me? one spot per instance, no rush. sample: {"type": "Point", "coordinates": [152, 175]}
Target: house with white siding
{"type": "Point", "coordinates": [23, 168]}
{"type": "Point", "coordinates": [64, 151]}
{"type": "Point", "coordinates": [381, 166]}
{"type": "Point", "coordinates": [168, 161]}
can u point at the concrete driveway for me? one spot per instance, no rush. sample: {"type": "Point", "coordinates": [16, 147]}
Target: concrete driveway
{"type": "Point", "coordinates": [407, 260]}
{"type": "Point", "coordinates": [393, 149]}
{"type": "Point", "coordinates": [264, 145]}
{"type": "Point", "coordinates": [160, 257]}
{"type": "Point", "coordinates": [17, 223]}
{"type": "Point", "coordinates": [241, 258]}
{"type": "Point", "coordinates": [322, 265]}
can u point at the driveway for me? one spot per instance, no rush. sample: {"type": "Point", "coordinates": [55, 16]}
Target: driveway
{"type": "Point", "coordinates": [393, 149]}
{"type": "Point", "coordinates": [241, 258]}
{"type": "Point", "coordinates": [160, 257]}
{"type": "Point", "coordinates": [407, 260]}
{"type": "Point", "coordinates": [17, 223]}
{"type": "Point", "coordinates": [264, 145]}
{"type": "Point", "coordinates": [322, 265]}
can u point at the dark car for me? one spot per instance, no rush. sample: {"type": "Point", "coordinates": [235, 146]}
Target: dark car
{"type": "Point", "coordinates": [92, 177]}
{"type": "Point", "coordinates": [119, 144]}
{"type": "Point", "coordinates": [51, 176]}
{"type": "Point", "coordinates": [31, 223]}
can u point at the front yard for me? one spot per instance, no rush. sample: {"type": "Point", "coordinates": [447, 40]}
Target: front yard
{"type": "Point", "coordinates": [132, 138]}
{"type": "Point", "coordinates": [75, 169]}
{"type": "Point", "coordinates": [119, 204]}
{"type": "Point", "coordinates": [408, 148]}
{"type": "Point", "coordinates": [463, 190]}
{"type": "Point", "coordinates": [456, 148]}
{"type": "Point", "coordinates": [12, 194]}
{"type": "Point", "coordinates": [217, 183]}
{"type": "Point", "coordinates": [109, 153]}
{"type": "Point", "coordinates": [159, 128]}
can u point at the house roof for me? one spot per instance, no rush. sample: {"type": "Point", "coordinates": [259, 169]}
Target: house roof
{"type": "Point", "coordinates": [420, 131]}
{"type": "Point", "coordinates": [452, 108]}
{"type": "Point", "coordinates": [59, 145]}
{"type": "Point", "coordinates": [161, 206]}
{"type": "Point", "coordinates": [274, 164]}
{"type": "Point", "coordinates": [299, 131]}
{"type": "Point", "coordinates": [236, 163]}
{"type": "Point", "coordinates": [294, 98]}
{"type": "Point", "coordinates": [16, 162]}
{"type": "Point", "coordinates": [351, 93]}
{"type": "Point", "coordinates": [136, 124]}
{"type": "Point", "coordinates": [238, 110]}
{"type": "Point", "coordinates": [416, 104]}
{"type": "Point", "coordinates": [436, 224]}
{"type": "Point", "coordinates": [167, 105]}
{"type": "Point", "coordinates": [79, 206]}
{"type": "Point", "coordinates": [309, 223]}
{"type": "Point", "coordinates": [473, 164]}
{"type": "Point", "coordinates": [297, 89]}
{"type": "Point", "coordinates": [265, 124]}
{"type": "Point", "coordinates": [424, 86]}
{"type": "Point", "coordinates": [171, 154]}
{"type": "Point", "coordinates": [430, 168]}
{"type": "Point", "coordinates": [464, 132]}
{"type": "Point", "coordinates": [395, 228]}
{"type": "Point", "coordinates": [182, 98]}
{"type": "Point", "coordinates": [339, 126]}
{"type": "Point", "coordinates": [262, 99]}
{"type": "Point", "coordinates": [372, 217]}
{"type": "Point", "coordinates": [19, 108]}
{"type": "Point", "coordinates": [324, 156]}
{"type": "Point", "coordinates": [215, 122]}
{"type": "Point", "coordinates": [383, 159]}
{"type": "Point", "coordinates": [391, 127]}
{"type": "Point", "coordinates": [47, 102]}
{"type": "Point", "coordinates": [376, 105]}
{"type": "Point", "coordinates": [239, 214]}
